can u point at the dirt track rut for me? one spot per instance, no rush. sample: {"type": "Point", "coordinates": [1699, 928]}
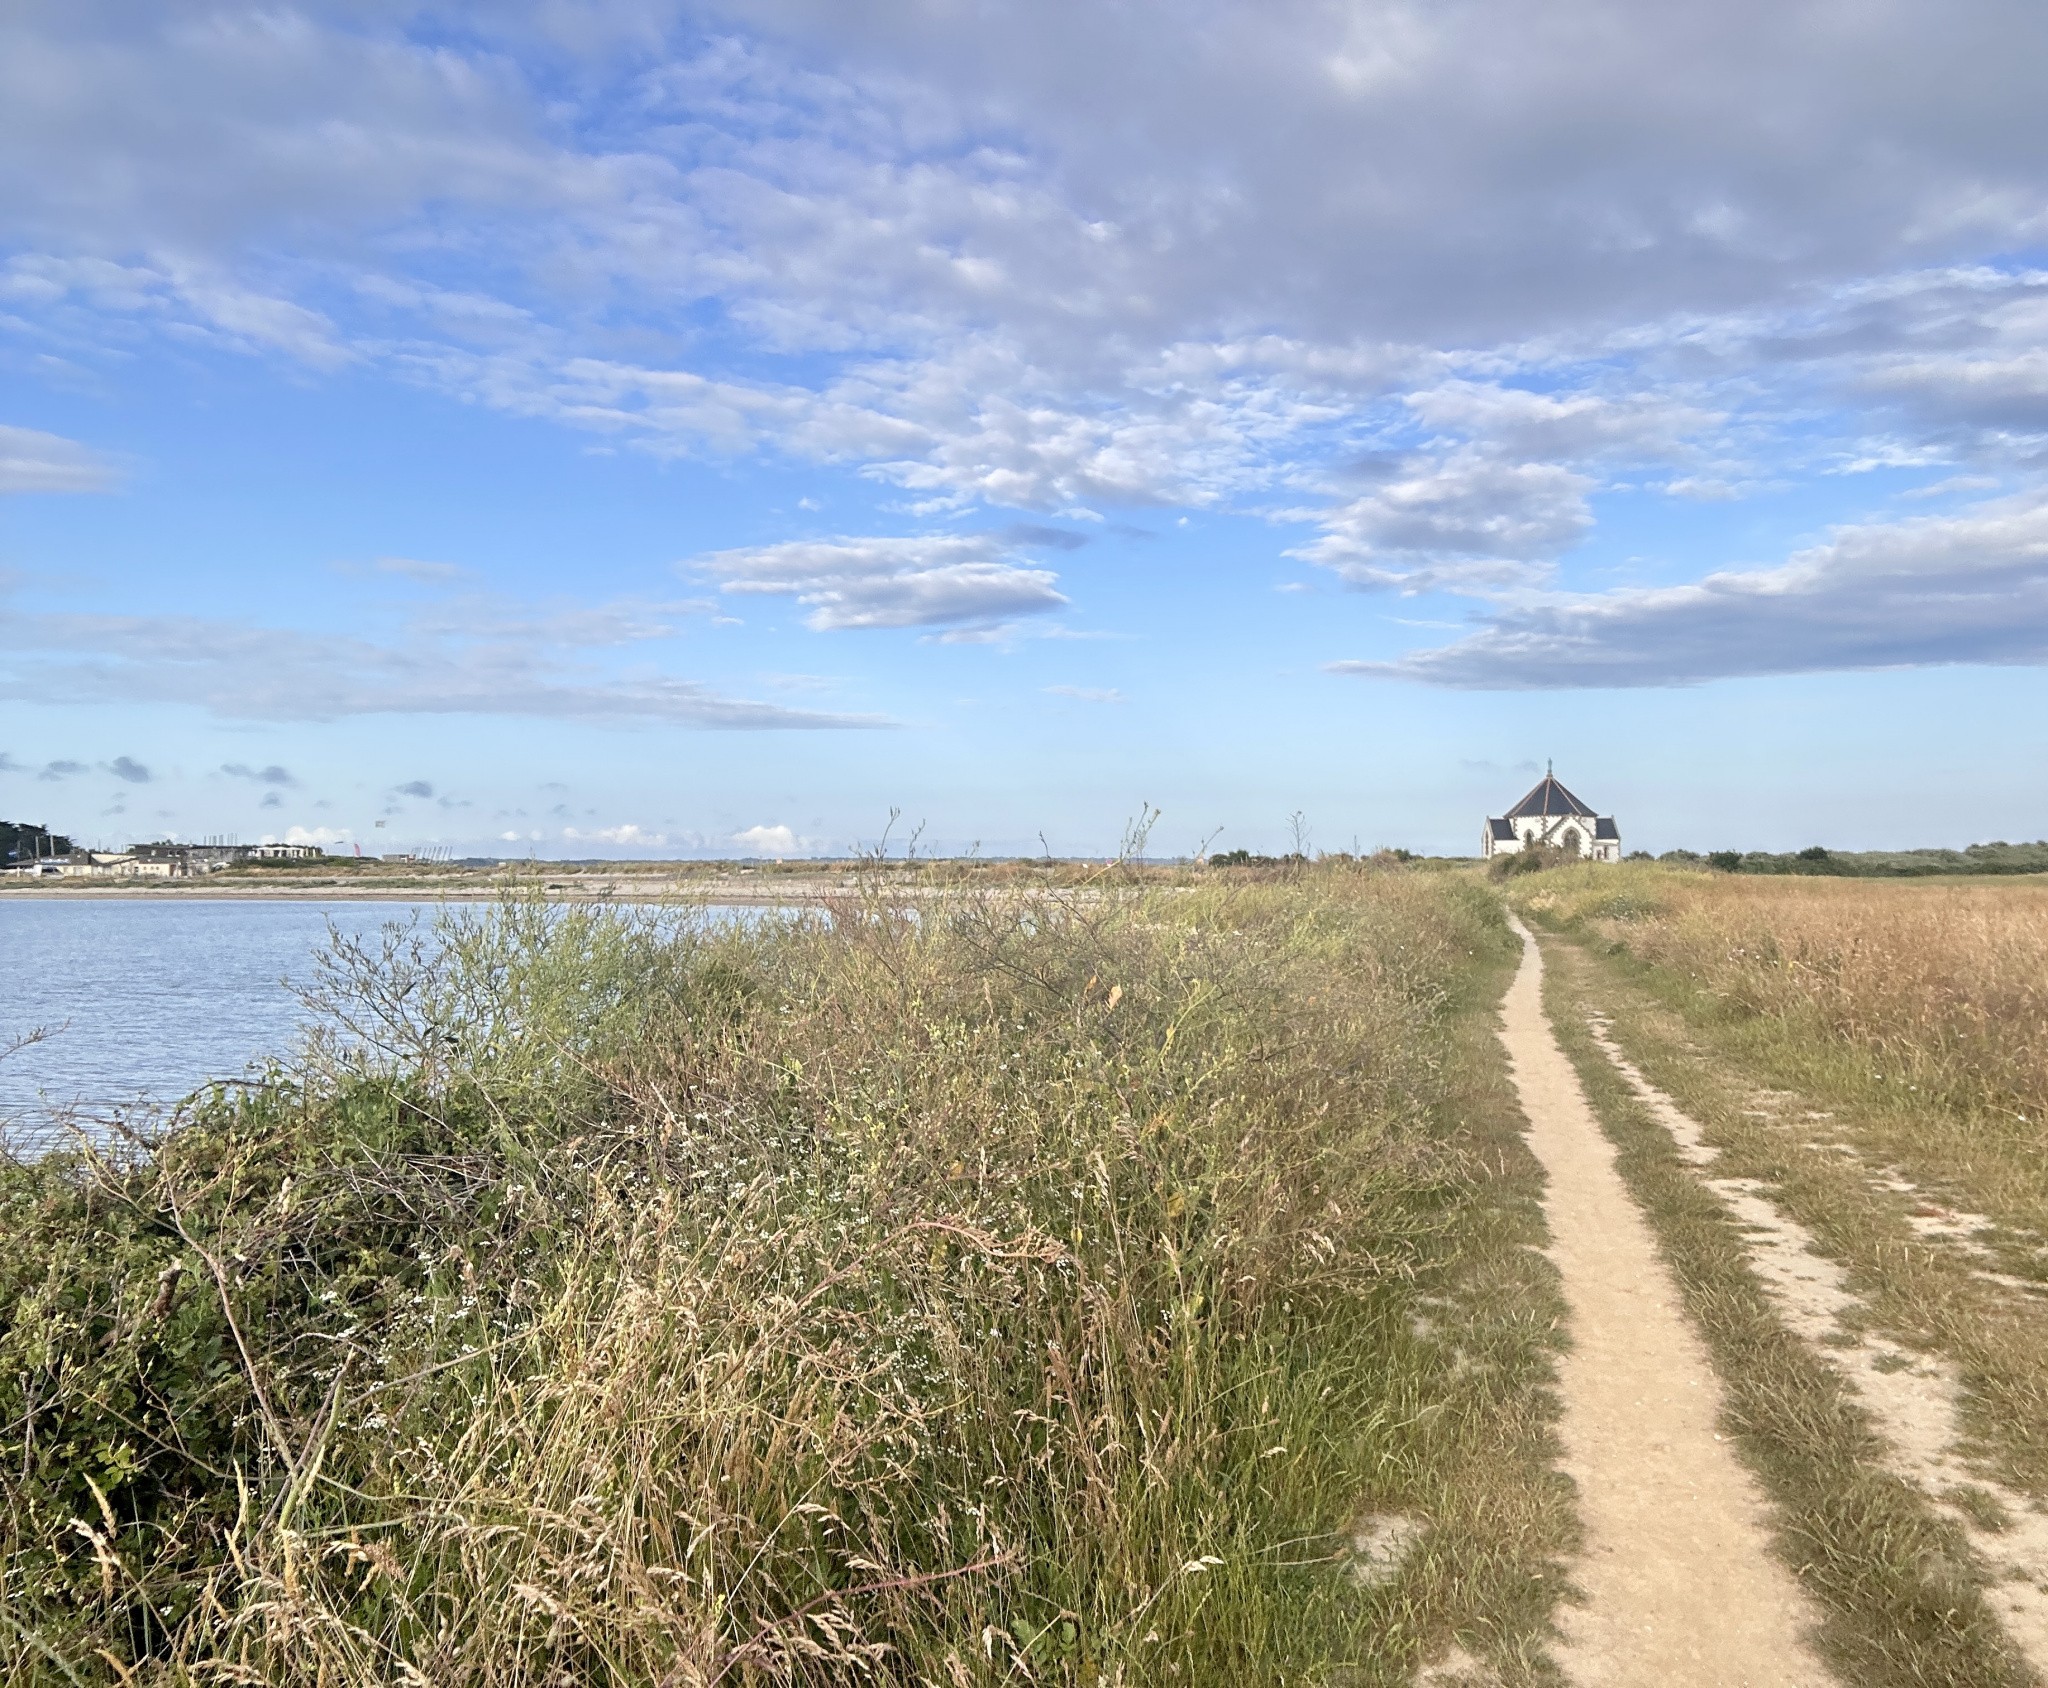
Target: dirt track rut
{"type": "Point", "coordinates": [1681, 1590]}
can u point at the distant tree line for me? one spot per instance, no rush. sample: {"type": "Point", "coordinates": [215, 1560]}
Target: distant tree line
{"type": "Point", "coordinates": [1299, 858]}
{"type": "Point", "coordinates": [23, 841]}
{"type": "Point", "coordinates": [1997, 857]}
{"type": "Point", "coordinates": [1247, 858]}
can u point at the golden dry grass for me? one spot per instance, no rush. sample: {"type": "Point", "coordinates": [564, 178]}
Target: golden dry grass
{"type": "Point", "coordinates": [1875, 1054]}
{"type": "Point", "coordinates": [1944, 985]}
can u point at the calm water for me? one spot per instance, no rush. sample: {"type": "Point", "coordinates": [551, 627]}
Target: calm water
{"type": "Point", "coordinates": [147, 1000]}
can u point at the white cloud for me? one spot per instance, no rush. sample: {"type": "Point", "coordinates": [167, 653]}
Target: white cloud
{"type": "Point", "coordinates": [240, 670]}
{"type": "Point", "coordinates": [411, 568]}
{"type": "Point", "coordinates": [195, 302]}
{"type": "Point", "coordinates": [767, 840]}
{"type": "Point", "coordinates": [184, 131]}
{"type": "Point", "coordinates": [629, 836]}
{"type": "Point", "coordinates": [561, 623]}
{"type": "Point", "coordinates": [251, 321]}
{"type": "Point", "coordinates": [1562, 427]}
{"type": "Point", "coordinates": [320, 835]}
{"type": "Point", "coordinates": [1055, 258]}
{"type": "Point", "coordinates": [1462, 522]}
{"type": "Point", "coordinates": [2008, 389]}
{"type": "Point", "coordinates": [933, 580]}
{"type": "Point", "coordinates": [1971, 587]}
{"type": "Point", "coordinates": [1509, 171]}
{"type": "Point", "coordinates": [38, 462]}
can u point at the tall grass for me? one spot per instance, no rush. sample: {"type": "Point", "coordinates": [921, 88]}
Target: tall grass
{"type": "Point", "coordinates": [1012, 1290]}
{"type": "Point", "coordinates": [1944, 987]}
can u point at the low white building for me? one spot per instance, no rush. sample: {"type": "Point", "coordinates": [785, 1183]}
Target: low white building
{"type": "Point", "coordinates": [1551, 815]}
{"type": "Point", "coordinates": [98, 864]}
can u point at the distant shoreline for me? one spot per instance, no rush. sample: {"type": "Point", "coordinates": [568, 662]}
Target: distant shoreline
{"type": "Point", "coordinates": [624, 888]}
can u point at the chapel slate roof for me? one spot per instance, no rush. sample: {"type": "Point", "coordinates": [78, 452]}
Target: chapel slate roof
{"type": "Point", "coordinates": [1547, 800]}
{"type": "Point", "coordinates": [1502, 830]}
{"type": "Point", "coordinates": [1604, 827]}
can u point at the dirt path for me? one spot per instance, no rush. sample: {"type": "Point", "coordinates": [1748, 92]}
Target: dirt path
{"type": "Point", "coordinates": [1913, 1399]}
{"type": "Point", "coordinates": [1681, 1589]}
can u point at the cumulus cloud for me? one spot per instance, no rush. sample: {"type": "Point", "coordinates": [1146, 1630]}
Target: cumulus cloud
{"type": "Point", "coordinates": [1143, 292]}
{"type": "Point", "coordinates": [128, 769]}
{"type": "Point", "coordinates": [1562, 427]}
{"type": "Point", "coordinates": [1052, 259]}
{"type": "Point", "coordinates": [37, 462]}
{"type": "Point", "coordinates": [61, 770]}
{"type": "Point", "coordinates": [767, 840]}
{"type": "Point", "coordinates": [415, 788]}
{"type": "Point", "coordinates": [825, 170]}
{"type": "Point", "coordinates": [274, 774]}
{"type": "Point", "coordinates": [629, 836]}
{"type": "Point", "coordinates": [936, 580]}
{"type": "Point", "coordinates": [1967, 588]}
{"type": "Point", "coordinates": [1465, 521]}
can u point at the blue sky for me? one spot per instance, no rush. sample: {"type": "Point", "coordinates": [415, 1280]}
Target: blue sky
{"type": "Point", "coordinates": [647, 429]}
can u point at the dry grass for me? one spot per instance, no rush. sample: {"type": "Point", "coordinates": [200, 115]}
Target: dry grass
{"type": "Point", "coordinates": [1944, 985]}
{"type": "Point", "coordinates": [1016, 1290]}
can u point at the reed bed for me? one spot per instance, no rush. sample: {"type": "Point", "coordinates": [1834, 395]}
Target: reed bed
{"type": "Point", "coordinates": [1943, 987]}
{"type": "Point", "coordinates": [1009, 1290]}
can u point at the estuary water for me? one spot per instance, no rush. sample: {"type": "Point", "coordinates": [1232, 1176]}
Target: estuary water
{"type": "Point", "coordinates": [144, 1000]}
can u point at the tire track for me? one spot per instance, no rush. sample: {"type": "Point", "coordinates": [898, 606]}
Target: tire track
{"type": "Point", "coordinates": [1681, 1589]}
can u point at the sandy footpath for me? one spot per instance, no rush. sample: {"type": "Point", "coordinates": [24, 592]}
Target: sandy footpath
{"type": "Point", "coordinates": [1681, 1590]}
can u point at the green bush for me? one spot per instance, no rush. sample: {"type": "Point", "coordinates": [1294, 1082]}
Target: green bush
{"type": "Point", "coordinates": [1531, 858]}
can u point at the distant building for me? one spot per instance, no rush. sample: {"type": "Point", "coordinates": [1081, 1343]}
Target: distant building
{"type": "Point", "coordinates": [1551, 815]}
{"type": "Point", "coordinates": [286, 852]}
{"type": "Point", "coordinates": [98, 864]}
{"type": "Point", "coordinates": [172, 860]}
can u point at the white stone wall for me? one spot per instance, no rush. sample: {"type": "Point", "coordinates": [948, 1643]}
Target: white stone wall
{"type": "Point", "coordinates": [1529, 831]}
